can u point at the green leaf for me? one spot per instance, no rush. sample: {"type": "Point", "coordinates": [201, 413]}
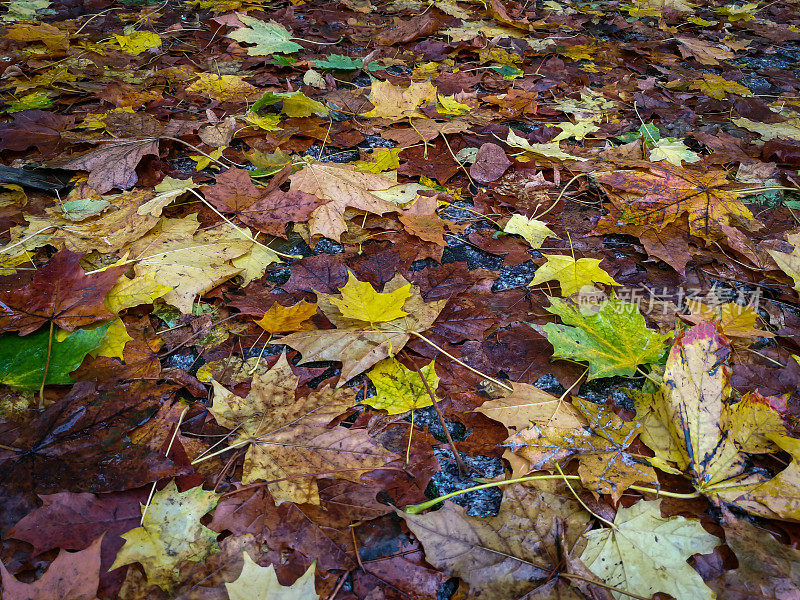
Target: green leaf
{"type": "Point", "coordinates": [22, 359]}
{"type": "Point", "coordinates": [268, 37]}
{"type": "Point", "coordinates": [508, 72]}
{"type": "Point", "coordinates": [340, 62]}
{"type": "Point", "coordinates": [613, 340]}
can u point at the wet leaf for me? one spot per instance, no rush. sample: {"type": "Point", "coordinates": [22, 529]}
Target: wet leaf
{"type": "Point", "coordinates": [400, 389]}
{"type": "Point", "coordinates": [170, 534]}
{"type": "Point", "coordinates": [614, 340]}
{"type": "Point", "coordinates": [260, 583]}
{"type": "Point", "coordinates": [645, 553]}
{"type": "Point", "coordinates": [570, 273]}
{"type": "Point", "coordinates": [268, 37]}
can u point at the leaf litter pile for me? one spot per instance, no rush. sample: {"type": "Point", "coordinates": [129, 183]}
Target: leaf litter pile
{"type": "Point", "coordinates": [276, 278]}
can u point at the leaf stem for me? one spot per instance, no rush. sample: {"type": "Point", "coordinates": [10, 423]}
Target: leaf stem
{"type": "Point", "coordinates": [463, 364]}
{"type": "Point", "coordinates": [46, 365]}
{"type": "Point", "coordinates": [418, 508]}
{"type": "Point", "coordinates": [462, 468]}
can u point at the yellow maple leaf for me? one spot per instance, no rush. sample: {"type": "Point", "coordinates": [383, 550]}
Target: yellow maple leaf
{"type": "Point", "coordinates": [225, 88]}
{"type": "Point", "coordinates": [400, 389]}
{"type": "Point", "coordinates": [577, 130]}
{"type": "Point", "coordinates": [734, 319]}
{"type": "Point", "coordinates": [718, 87]}
{"type": "Point", "coordinates": [571, 274]}
{"type": "Point", "coordinates": [128, 293]}
{"type": "Point", "coordinates": [789, 262]}
{"type": "Point", "coordinates": [260, 583]}
{"type": "Point", "coordinates": [171, 534]}
{"type": "Point", "coordinates": [113, 343]}
{"type": "Point", "coordinates": [394, 102]}
{"type": "Point", "coordinates": [533, 230]}
{"type": "Point", "coordinates": [138, 42]}
{"type": "Point", "coordinates": [360, 301]}
{"type": "Point", "coordinates": [280, 319]}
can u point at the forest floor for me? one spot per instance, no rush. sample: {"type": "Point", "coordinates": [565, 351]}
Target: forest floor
{"type": "Point", "coordinates": [275, 277]}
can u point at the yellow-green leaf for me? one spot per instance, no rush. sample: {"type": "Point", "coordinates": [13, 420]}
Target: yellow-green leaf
{"type": "Point", "coordinates": [260, 583]}
{"type": "Point", "coordinates": [400, 389]}
{"type": "Point", "coordinates": [571, 274]}
{"type": "Point", "coordinates": [360, 301]}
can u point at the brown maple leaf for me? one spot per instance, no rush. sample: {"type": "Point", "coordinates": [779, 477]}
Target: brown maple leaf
{"type": "Point", "coordinates": [60, 293]}
{"type": "Point", "coordinates": [659, 196]}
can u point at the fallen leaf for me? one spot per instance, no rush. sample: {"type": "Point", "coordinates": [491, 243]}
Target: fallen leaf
{"type": "Point", "coordinates": [510, 555]}
{"type": "Point", "coordinates": [572, 274]}
{"type": "Point", "coordinates": [400, 389]}
{"type": "Point", "coordinates": [645, 553]}
{"type": "Point", "coordinates": [60, 293]}
{"type": "Point", "coordinates": [170, 535]}
{"type": "Point", "coordinates": [340, 186]}
{"type": "Point", "coordinates": [288, 438]}
{"type": "Point", "coordinates": [128, 293]}
{"type": "Point", "coordinates": [281, 319]}
{"type": "Point", "coordinates": [72, 575]}
{"type": "Point", "coordinates": [662, 194]}
{"type": "Point", "coordinates": [614, 340]}
{"type": "Point", "coordinates": [361, 302]}
{"type": "Point", "coordinates": [789, 262]}
{"type": "Point", "coordinates": [534, 231]}
{"type": "Point", "coordinates": [395, 103]}
{"type": "Point", "coordinates": [113, 165]}
{"type": "Point", "coordinates": [225, 88]}
{"type": "Point", "coordinates": [268, 37]}
{"type": "Point", "coordinates": [260, 583]}
{"type": "Point", "coordinates": [672, 151]}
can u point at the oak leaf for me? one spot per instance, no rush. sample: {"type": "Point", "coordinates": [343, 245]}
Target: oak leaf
{"type": "Point", "coordinates": [260, 583]}
{"type": "Point", "coordinates": [72, 576]}
{"type": "Point", "coordinates": [571, 274]}
{"type": "Point", "coordinates": [60, 293]}
{"type": "Point", "coordinates": [170, 535]}
{"type": "Point", "coordinates": [645, 553]}
{"type": "Point", "coordinates": [288, 438]}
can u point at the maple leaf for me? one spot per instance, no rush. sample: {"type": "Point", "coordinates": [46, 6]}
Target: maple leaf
{"type": "Point", "coordinates": [340, 186]}
{"type": "Point", "coordinates": [571, 274]}
{"type": "Point", "coordinates": [268, 37]}
{"type": "Point", "coordinates": [289, 439]}
{"type": "Point", "coordinates": [400, 389]}
{"type": "Point", "coordinates": [138, 42]}
{"type": "Point", "coordinates": [361, 302]}
{"type": "Point", "coordinates": [394, 102]}
{"type": "Point", "coordinates": [600, 442]}
{"type": "Point", "coordinates": [72, 575]}
{"type": "Point", "coordinates": [577, 130]}
{"type": "Point", "coordinates": [734, 319]}
{"type": "Point", "coordinates": [357, 345]}
{"type": "Point", "coordinates": [128, 293]}
{"type": "Point", "coordinates": [672, 151]}
{"type": "Point", "coordinates": [113, 165]}
{"type": "Point", "coordinates": [189, 262]}
{"type": "Point", "coordinates": [787, 130]}
{"type": "Point", "coordinates": [421, 220]}
{"type": "Point", "coordinates": [280, 319]}
{"type": "Point", "coordinates": [614, 340]}
{"type": "Point", "coordinates": [718, 87]}
{"type": "Point", "coordinates": [549, 150]}
{"type": "Point", "coordinates": [60, 293]}
{"type": "Point", "coordinates": [510, 555]}
{"type": "Point", "coordinates": [659, 196]}
{"type": "Point", "coordinates": [170, 535]}
{"type": "Point", "coordinates": [225, 88]}
{"type": "Point", "coordinates": [260, 583]}
{"type": "Point", "coordinates": [767, 567]}
{"type": "Point", "coordinates": [645, 553]}
{"type": "Point", "coordinates": [533, 230]}
{"type": "Point", "coordinates": [789, 262]}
